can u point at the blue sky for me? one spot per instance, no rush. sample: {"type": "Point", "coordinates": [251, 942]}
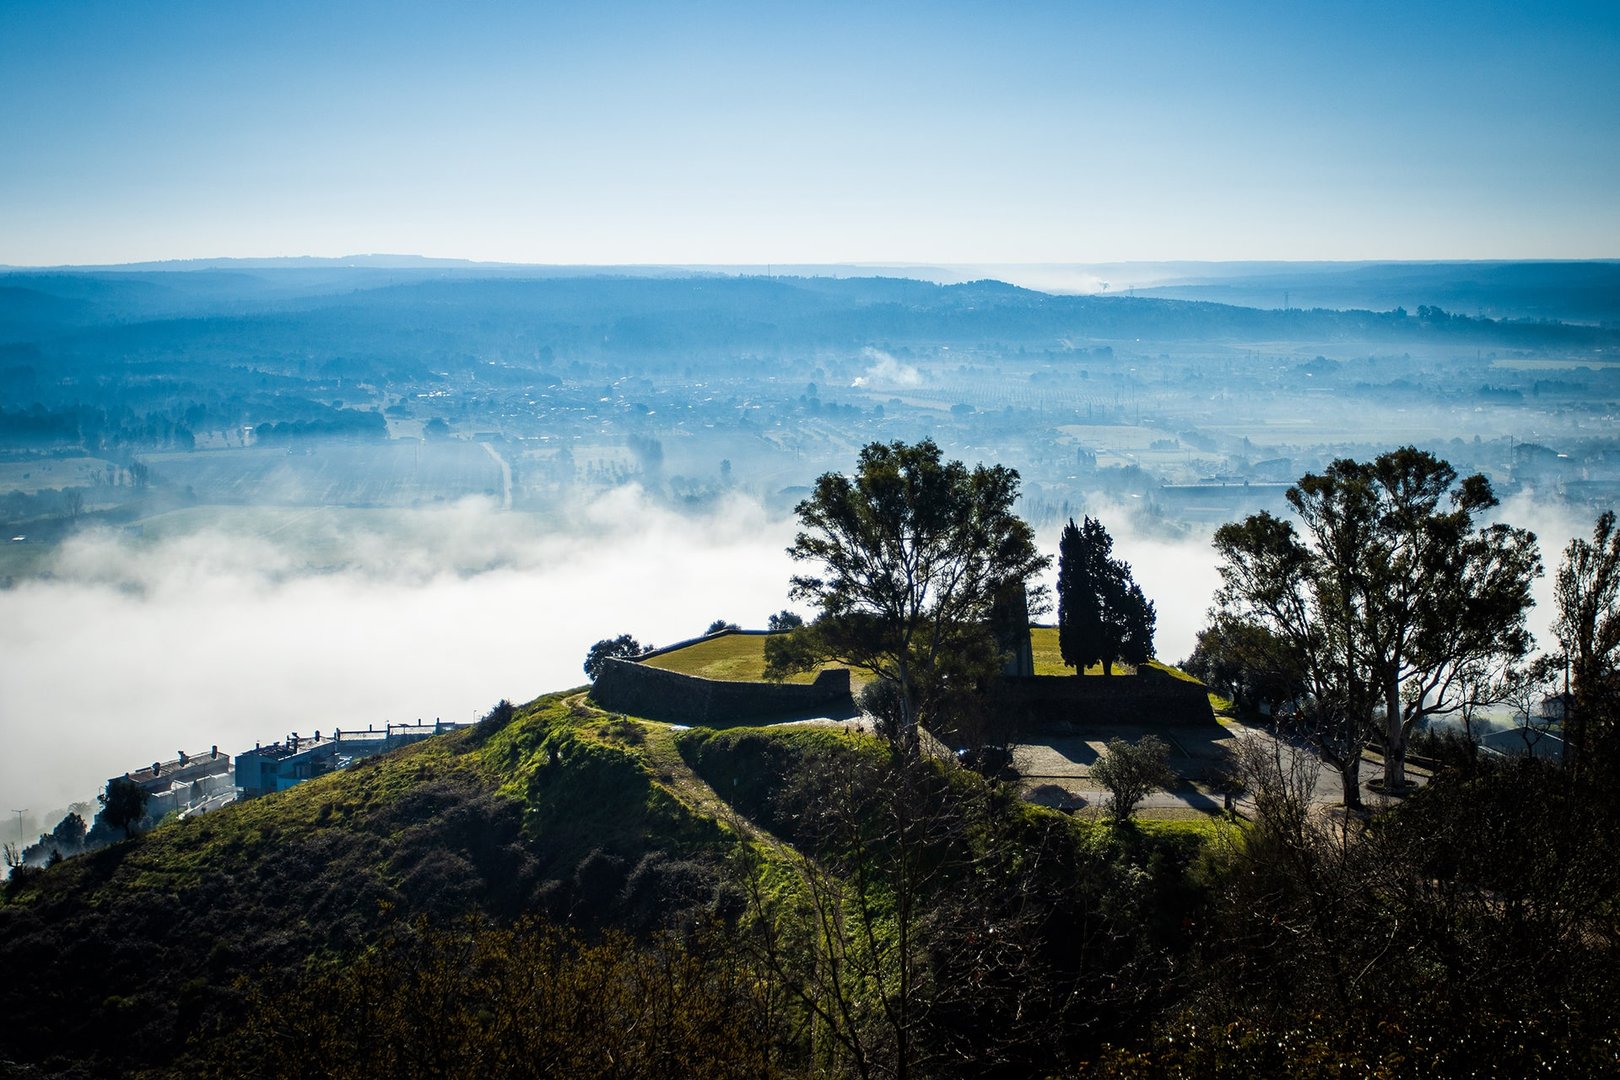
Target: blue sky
{"type": "Point", "coordinates": [753, 133]}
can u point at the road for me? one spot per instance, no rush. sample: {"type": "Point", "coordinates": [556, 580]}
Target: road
{"type": "Point", "coordinates": [1056, 770]}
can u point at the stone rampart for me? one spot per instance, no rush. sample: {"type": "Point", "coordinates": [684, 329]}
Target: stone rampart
{"type": "Point", "coordinates": [630, 687]}
{"type": "Point", "coordinates": [1076, 701]}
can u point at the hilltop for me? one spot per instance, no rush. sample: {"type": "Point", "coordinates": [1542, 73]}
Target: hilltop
{"type": "Point", "coordinates": [158, 953]}
{"type": "Point", "coordinates": [560, 887]}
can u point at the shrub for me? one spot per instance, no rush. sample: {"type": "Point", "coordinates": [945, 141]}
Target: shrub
{"type": "Point", "coordinates": [1130, 770]}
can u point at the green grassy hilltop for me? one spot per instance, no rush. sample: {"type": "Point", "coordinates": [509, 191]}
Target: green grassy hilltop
{"type": "Point", "coordinates": [564, 891]}
{"type": "Point", "coordinates": [559, 825]}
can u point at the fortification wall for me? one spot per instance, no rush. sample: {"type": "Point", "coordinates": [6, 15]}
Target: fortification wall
{"type": "Point", "coordinates": [1077, 701]}
{"type": "Point", "coordinates": [630, 687]}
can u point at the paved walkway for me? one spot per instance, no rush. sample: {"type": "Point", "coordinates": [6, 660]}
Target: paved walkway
{"type": "Point", "coordinates": [1056, 770]}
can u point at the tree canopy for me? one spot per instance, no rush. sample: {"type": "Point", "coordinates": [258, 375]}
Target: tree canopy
{"type": "Point", "coordinates": [123, 804]}
{"type": "Point", "coordinates": [1132, 771]}
{"type": "Point", "coordinates": [1103, 616]}
{"type": "Point", "coordinates": [1389, 602]}
{"type": "Point", "coordinates": [1586, 591]}
{"type": "Point", "coordinates": [623, 647]}
{"type": "Point", "coordinates": [911, 551]}
{"type": "Point", "coordinates": [784, 620]}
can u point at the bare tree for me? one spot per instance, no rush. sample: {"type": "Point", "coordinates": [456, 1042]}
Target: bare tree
{"type": "Point", "coordinates": [896, 922]}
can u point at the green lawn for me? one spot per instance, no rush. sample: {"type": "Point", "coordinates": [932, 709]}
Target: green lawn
{"type": "Point", "coordinates": [741, 658]}
{"type": "Point", "coordinates": [733, 658]}
{"type": "Point", "coordinates": [1049, 661]}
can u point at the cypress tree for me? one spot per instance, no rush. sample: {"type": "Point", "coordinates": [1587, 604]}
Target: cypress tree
{"type": "Point", "coordinates": [1103, 615]}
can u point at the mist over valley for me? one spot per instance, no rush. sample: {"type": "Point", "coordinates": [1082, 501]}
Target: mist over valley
{"type": "Point", "coordinates": [850, 541]}
{"type": "Point", "coordinates": [255, 499]}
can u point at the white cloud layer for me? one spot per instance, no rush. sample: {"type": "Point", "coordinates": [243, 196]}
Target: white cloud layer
{"type": "Point", "coordinates": [134, 650]}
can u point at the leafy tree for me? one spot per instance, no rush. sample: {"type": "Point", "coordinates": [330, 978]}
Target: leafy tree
{"type": "Point", "coordinates": [1245, 662]}
{"type": "Point", "coordinates": [69, 833]}
{"type": "Point", "coordinates": [123, 804]}
{"type": "Point", "coordinates": [1130, 771]}
{"type": "Point", "coordinates": [623, 647]}
{"type": "Point", "coordinates": [912, 550]}
{"type": "Point", "coordinates": [1391, 600]}
{"type": "Point", "coordinates": [784, 620]}
{"type": "Point", "coordinates": [719, 625]}
{"type": "Point", "coordinates": [1103, 616]}
{"type": "Point", "coordinates": [1287, 609]}
{"type": "Point", "coordinates": [1587, 626]}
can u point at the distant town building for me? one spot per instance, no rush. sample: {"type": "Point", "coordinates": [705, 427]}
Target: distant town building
{"type": "Point", "coordinates": [282, 765]}
{"type": "Point", "coordinates": [288, 763]}
{"type": "Point", "coordinates": [190, 782]}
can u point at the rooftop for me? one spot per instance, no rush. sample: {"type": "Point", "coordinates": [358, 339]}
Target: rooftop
{"type": "Point", "coordinates": [159, 770]}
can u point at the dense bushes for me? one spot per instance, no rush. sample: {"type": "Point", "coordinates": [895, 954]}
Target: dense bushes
{"type": "Point", "coordinates": [476, 1000]}
{"type": "Point", "coordinates": [1471, 931]}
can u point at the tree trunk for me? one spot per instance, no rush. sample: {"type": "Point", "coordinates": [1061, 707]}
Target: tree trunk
{"type": "Point", "coordinates": [910, 741]}
{"type": "Point", "coordinates": [1350, 776]}
{"type": "Point", "coordinates": [1394, 742]}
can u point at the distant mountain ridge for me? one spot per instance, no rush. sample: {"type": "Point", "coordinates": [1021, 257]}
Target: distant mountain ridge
{"type": "Point", "coordinates": [658, 309]}
{"type": "Point", "coordinates": [1585, 291]}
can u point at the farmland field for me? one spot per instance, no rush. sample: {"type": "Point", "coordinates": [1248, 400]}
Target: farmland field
{"type": "Point", "coordinates": [399, 473]}
{"type": "Point", "coordinates": [42, 474]}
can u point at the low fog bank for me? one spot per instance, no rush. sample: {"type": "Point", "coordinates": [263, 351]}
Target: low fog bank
{"type": "Point", "coordinates": [1555, 525]}
{"type": "Point", "coordinates": [134, 650]}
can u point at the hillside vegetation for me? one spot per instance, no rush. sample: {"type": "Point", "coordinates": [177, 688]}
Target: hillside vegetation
{"type": "Point", "coordinates": [561, 891]}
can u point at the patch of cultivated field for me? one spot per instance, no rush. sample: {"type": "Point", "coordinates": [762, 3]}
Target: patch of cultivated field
{"type": "Point", "coordinates": [43, 474]}
{"type": "Point", "coordinates": [396, 473]}
{"type": "Point", "coordinates": [1115, 436]}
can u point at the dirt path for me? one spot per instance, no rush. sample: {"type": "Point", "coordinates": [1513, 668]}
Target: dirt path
{"type": "Point", "coordinates": [671, 770]}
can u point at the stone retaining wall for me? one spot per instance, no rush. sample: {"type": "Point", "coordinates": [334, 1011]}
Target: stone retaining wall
{"type": "Point", "coordinates": [1089, 700]}
{"type": "Point", "coordinates": [630, 687]}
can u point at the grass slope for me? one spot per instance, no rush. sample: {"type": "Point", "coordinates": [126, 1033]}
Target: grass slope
{"type": "Point", "coordinates": [728, 657]}
{"type": "Point", "coordinates": [143, 958]}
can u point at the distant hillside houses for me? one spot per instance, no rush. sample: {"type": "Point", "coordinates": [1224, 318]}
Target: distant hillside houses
{"type": "Point", "coordinates": [286, 764]}
{"type": "Point", "coordinates": [190, 782]}
{"type": "Point", "coordinates": [196, 783]}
